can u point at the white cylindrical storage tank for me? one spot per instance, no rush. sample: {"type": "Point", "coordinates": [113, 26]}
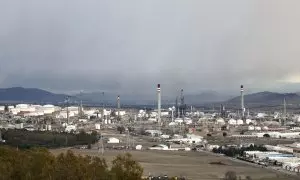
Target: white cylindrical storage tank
{"type": "Point", "coordinates": [220, 121]}
{"type": "Point", "coordinates": [265, 128]}
{"type": "Point", "coordinates": [97, 126]}
{"type": "Point", "coordinates": [251, 128]}
{"type": "Point", "coordinates": [138, 147]}
{"type": "Point", "coordinates": [248, 121]}
{"type": "Point", "coordinates": [232, 122]}
{"type": "Point", "coordinates": [172, 124]}
{"type": "Point", "coordinates": [49, 127]}
{"type": "Point", "coordinates": [239, 122]}
{"type": "Point", "coordinates": [19, 126]}
{"type": "Point", "coordinates": [257, 128]}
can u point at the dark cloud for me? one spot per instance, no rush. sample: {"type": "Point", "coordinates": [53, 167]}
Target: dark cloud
{"type": "Point", "coordinates": [130, 46]}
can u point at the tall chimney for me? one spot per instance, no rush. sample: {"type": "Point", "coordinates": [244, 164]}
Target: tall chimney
{"type": "Point", "coordinates": [158, 103]}
{"type": "Point", "coordinates": [242, 102]}
{"type": "Point", "coordinates": [118, 106]}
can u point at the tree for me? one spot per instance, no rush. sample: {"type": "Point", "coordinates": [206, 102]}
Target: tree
{"type": "Point", "coordinates": [224, 134]}
{"type": "Point", "coordinates": [248, 178]}
{"type": "Point", "coordinates": [121, 129]}
{"type": "Point", "coordinates": [267, 135]}
{"type": "Point", "coordinates": [230, 175]}
{"type": "Point", "coordinates": [208, 135]}
{"type": "Point", "coordinates": [125, 168]}
{"type": "Point", "coordinates": [89, 146]}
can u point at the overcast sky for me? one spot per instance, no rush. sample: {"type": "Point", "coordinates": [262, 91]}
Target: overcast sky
{"type": "Point", "coordinates": [130, 46]}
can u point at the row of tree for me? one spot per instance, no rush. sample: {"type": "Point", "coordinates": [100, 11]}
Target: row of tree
{"type": "Point", "coordinates": [27, 139]}
{"type": "Point", "coordinates": [37, 164]}
{"type": "Point", "coordinates": [233, 152]}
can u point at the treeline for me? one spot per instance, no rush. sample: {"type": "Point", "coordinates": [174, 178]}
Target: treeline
{"type": "Point", "coordinates": [37, 164]}
{"type": "Point", "coordinates": [28, 139]}
{"type": "Point", "coordinates": [233, 151]}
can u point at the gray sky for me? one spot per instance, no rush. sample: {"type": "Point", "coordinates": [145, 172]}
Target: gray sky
{"type": "Point", "coordinates": [130, 46]}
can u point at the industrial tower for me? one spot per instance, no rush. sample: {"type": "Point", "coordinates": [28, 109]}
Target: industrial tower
{"type": "Point", "coordinates": [118, 107]}
{"type": "Point", "coordinates": [242, 102]}
{"type": "Point", "coordinates": [158, 104]}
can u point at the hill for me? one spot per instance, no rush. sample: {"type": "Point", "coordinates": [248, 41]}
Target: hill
{"type": "Point", "coordinates": [206, 97]}
{"type": "Point", "coordinates": [29, 95]}
{"type": "Point", "coordinates": [267, 98]}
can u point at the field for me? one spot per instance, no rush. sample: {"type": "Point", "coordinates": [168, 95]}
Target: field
{"type": "Point", "coordinates": [193, 165]}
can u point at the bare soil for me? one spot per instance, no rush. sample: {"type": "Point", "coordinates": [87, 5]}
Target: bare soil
{"type": "Point", "coordinates": [193, 165]}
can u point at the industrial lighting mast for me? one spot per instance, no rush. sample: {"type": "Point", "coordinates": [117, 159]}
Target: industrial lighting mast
{"type": "Point", "coordinates": [242, 102]}
{"type": "Point", "coordinates": [118, 106]}
{"type": "Point", "coordinates": [284, 111]}
{"type": "Point", "coordinates": [67, 101]}
{"type": "Point", "coordinates": [158, 103]}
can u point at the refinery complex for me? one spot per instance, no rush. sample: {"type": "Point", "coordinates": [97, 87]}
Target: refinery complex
{"type": "Point", "coordinates": [181, 127]}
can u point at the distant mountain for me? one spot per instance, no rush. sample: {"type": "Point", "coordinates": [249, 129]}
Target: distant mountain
{"type": "Point", "coordinates": [270, 98]}
{"type": "Point", "coordinates": [206, 97]}
{"type": "Point", "coordinates": [131, 99]}
{"type": "Point", "coordinates": [29, 95]}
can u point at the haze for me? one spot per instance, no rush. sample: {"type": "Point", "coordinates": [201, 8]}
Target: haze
{"type": "Point", "coordinates": [130, 46]}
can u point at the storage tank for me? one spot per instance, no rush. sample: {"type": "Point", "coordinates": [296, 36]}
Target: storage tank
{"type": "Point", "coordinates": [232, 122]}
{"type": "Point", "coordinates": [248, 121]}
{"type": "Point", "coordinates": [250, 128]}
{"type": "Point", "coordinates": [265, 128]}
{"type": "Point", "coordinates": [240, 122]}
{"type": "Point", "coordinates": [49, 127]}
{"type": "Point", "coordinates": [19, 126]}
{"type": "Point", "coordinates": [257, 128]}
{"type": "Point", "coordinates": [97, 126]}
{"type": "Point", "coordinates": [220, 121]}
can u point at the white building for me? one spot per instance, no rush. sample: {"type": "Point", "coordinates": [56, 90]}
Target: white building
{"type": "Point", "coordinates": [113, 140]}
{"type": "Point", "coordinates": [69, 128]}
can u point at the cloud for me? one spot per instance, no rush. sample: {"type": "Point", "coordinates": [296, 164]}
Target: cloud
{"type": "Point", "coordinates": [130, 46]}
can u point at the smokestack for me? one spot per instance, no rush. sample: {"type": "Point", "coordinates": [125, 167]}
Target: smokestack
{"type": "Point", "coordinates": [158, 103]}
{"type": "Point", "coordinates": [118, 106]}
{"type": "Point", "coordinates": [242, 102]}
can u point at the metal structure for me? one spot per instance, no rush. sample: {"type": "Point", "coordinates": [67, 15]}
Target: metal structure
{"type": "Point", "coordinates": [222, 111]}
{"type": "Point", "coordinates": [181, 107]}
{"type": "Point", "coordinates": [284, 112]}
{"type": "Point", "coordinates": [158, 104]}
{"type": "Point", "coordinates": [118, 108]}
{"type": "Point", "coordinates": [67, 102]}
{"type": "Point", "coordinates": [242, 102]}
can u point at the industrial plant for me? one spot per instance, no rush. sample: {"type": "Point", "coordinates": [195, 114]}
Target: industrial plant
{"type": "Point", "coordinates": [174, 128]}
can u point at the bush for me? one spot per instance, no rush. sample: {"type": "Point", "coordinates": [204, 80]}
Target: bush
{"type": "Point", "coordinates": [36, 164]}
{"type": "Point", "coordinates": [28, 139]}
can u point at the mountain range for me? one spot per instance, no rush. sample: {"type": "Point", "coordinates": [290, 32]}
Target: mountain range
{"type": "Point", "coordinates": [29, 95]}
{"type": "Point", "coordinates": [34, 95]}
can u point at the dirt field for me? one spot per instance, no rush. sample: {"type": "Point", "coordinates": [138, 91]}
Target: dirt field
{"type": "Point", "coordinates": [193, 165]}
